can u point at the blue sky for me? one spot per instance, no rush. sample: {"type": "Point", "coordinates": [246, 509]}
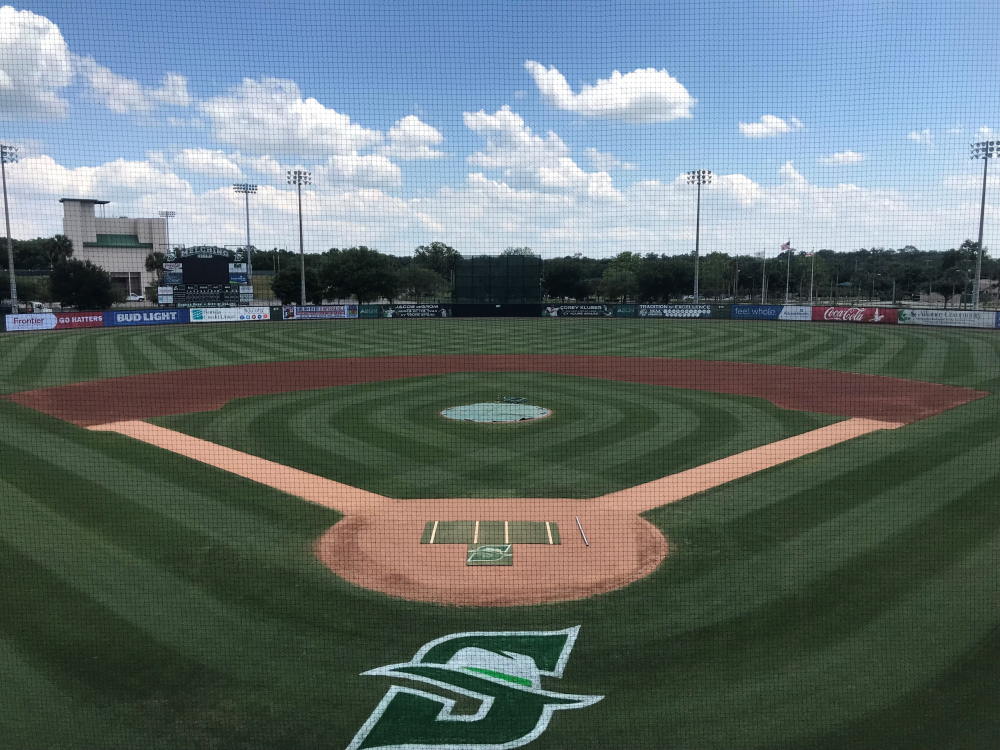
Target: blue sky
{"type": "Point", "coordinates": [489, 124]}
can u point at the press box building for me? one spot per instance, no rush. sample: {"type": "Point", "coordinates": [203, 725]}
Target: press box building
{"type": "Point", "coordinates": [118, 245]}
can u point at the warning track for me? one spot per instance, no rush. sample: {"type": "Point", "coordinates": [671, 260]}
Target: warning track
{"type": "Point", "coordinates": [182, 391]}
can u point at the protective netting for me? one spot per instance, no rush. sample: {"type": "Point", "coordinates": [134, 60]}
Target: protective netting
{"type": "Point", "coordinates": [499, 374]}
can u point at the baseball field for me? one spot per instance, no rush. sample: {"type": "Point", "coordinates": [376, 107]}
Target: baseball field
{"type": "Point", "coordinates": [738, 534]}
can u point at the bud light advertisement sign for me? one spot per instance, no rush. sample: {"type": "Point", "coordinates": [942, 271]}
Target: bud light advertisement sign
{"type": "Point", "coordinates": [145, 317]}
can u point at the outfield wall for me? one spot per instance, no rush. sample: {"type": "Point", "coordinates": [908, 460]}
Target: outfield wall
{"type": "Point", "coordinates": [803, 313]}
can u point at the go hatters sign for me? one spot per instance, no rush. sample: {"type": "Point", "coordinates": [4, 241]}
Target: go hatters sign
{"type": "Point", "coordinates": [50, 321]}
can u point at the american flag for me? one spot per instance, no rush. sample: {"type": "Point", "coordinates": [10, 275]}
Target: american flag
{"type": "Point", "coordinates": [787, 246]}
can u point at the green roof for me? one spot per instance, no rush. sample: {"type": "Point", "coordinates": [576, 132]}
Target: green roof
{"type": "Point", "coordinates": [119, 240]}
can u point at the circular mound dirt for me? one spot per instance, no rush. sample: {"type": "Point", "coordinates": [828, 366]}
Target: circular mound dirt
{"type": "Point", "coordinates": [382, 551]}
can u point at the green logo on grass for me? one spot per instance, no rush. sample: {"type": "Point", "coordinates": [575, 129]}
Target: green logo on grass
{"type": "Point", "coordinates": [500, 671]}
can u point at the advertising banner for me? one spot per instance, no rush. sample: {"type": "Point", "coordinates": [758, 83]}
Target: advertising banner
{"type": "Point", "coordinates": [165, 295]}
{"type": "Point", "coordinates": [173, 267]}
{"type": "Point", "coordinates": [756, 312]}
{"type": "Point", "coordinates": [675, 311]}
{"type": "Point", "coordinates": [367, 311]}
{"type": "Point", "coordinates": [319, 312]}
{"type": "Point", "coordinates": [414, 311]}
{"type": "Point", "coordinates": [626, 311]}
{"type": "Point", "coordinates": [145, 317]}
{"type": "Point", "coordinates": [856, 314]}
{"type": "Point", "coordinates": [578, 311]}
{"type": "Point", "coordinates": [952, 318]}
{"type": "Point", "coordinates": [229, 314]}
{"type": "Point", "coordinates": [50, 321]}
{"type": "Point", "coordinates": [173, 277]}
{"type": "Point", "coordinates": [795, 312]}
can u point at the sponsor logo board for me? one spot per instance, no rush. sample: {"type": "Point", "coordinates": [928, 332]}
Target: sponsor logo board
{"type": "Point", "coordinates": [856, 314]}
{"type": "Point", "coordinates": [173, 267]}
{"type": "Point", "coordinates": [952, 318]}
{"type": "Point", "coordinates": [795, 312]}
{"type": "Point", "coordinates": [319, 312]}
{"type": "Point", "coordinates": [675, 311]}
{"type": "Point", "coordinates": [145, 317]}
{"type": "Point", "coordinates": [415, 311]}
{"type": "Point", "coordinates": [756, 312]}
{"type": "Point", "coordinates": [229, 314]}
{"type": "Point", "coordinates": [578, 311]}
{"type": "Point", "coordinates": [50, 321]}
{"type": "Point", "coordinates": [501, 672]}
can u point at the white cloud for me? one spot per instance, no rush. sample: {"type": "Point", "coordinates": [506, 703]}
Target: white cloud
{"type": "Point", "coordinates": [643, 96]}
{"type": "Point", "coordinates": [528, 159]}
{"type": "Point", "coordinates": [606, 162]}
{"type": "Point", "coordinates": [956, 129]}
{"type": "Point", "coordinates": [988, 132]}
{"type": "Point", "coordinates": [921, 136]}
{"type": "Point", "coordinates": [123, 95]}
{"type": "Point", "coordinates": [369, 170]}
{"type": "Point", "coordinates": [410, 138]}
{"type": "Point", "coordinates": [185, 122]}
{"type": "Point", "coordinates": [842, 157]}
{"type": "Point", "coordinates": [770, 126]}
{"type": "Point", "coordinates": [35, 63]}
{"type": "Point", "coordinates": [209, 163]}
{"type": "Point", "coordinates": [270, 116]}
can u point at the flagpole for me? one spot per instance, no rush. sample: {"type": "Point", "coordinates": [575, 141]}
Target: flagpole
{"type": "Point", "coordinates": [812, 277]}
{"type": "Point", "coordinates": [763, 281]}
{"type": "Point", "coordinates": [788, 270]}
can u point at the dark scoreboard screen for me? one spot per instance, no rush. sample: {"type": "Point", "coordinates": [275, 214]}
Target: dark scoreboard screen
{"type": "Point", "coordinates": [205, 269]}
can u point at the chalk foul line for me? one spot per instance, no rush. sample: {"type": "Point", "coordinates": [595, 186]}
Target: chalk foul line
{"type": "Point", "coordinates": [355, 501]}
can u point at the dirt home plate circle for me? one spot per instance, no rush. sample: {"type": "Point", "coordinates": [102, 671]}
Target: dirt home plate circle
{"type": "Point", "coordinates": [544, 549]}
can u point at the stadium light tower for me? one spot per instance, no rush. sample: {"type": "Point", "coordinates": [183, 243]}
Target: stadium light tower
{"type": "Point", "coordinates": [984, 150]}
{"type": "Point", "coordinates": [8, 155]}
{"type": "Point", "coordinates": [300, 177]}
{"type": "Point", "coordinates": [247, 190]}
{"type": "Point", "coordinates": [167, 216]}
{"type": "Point", "coordinates": [698, 177]}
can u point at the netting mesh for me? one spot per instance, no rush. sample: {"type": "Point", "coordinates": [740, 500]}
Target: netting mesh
{"type": "Point", "coordinates": [499, 374]}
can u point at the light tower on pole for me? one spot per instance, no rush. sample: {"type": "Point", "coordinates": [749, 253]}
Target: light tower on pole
{"type": "Point", "coordinates": [698, 177]}
{"type": "Point", "coordinates": [984, 150]}
{"type": "Point", "coordinates": [300, 177]}
{"type": "Point", "coordinates": [167, 216]}
{"type": "Point", "coordinates": [8, 155]}
{"type": "Point", "coordinates": [247, 190]}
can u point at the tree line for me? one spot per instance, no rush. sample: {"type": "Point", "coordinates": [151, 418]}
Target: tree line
{"type": "Point", "coordinates": [365, 274]}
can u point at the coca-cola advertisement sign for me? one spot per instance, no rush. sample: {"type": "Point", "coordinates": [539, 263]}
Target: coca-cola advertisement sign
{"type": "Point", "coordinates": [856, 314]}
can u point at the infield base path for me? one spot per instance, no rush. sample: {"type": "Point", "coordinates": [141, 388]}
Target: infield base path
{"type": "Point", "coordinates": [377, 545]}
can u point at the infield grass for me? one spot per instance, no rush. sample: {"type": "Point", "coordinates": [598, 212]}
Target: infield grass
{"type": "Point", "coordinates": [390, 437]}
{"type": "Point", "coordinates": [844, 600]}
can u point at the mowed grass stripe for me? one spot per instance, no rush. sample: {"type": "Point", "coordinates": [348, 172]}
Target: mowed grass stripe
{"type": "Point", "coordinates": [389, 437]}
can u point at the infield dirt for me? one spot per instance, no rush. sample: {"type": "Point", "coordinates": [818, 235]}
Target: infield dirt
{"type": "Point", "coordinates": [377, 544]}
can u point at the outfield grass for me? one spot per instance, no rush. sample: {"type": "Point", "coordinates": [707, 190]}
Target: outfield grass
{"type": "Point", "coordinates": [845, 600]}
{"type": "Point", "coordinates": [390, 437]}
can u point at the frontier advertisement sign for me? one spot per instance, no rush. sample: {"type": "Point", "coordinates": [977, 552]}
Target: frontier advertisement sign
{"type": "Point", "coordinates": [856, 314]}
{"type": "Point", "coordinates": [319, 312]}
{"type": "Point", "coordinates": [145, 317]}
{"type": "Point", "coordinates": [675, 311]}
{"type": "Point", "coordinates": [54, 321]}
{"type": "Point", "coordinates": [951, 318]}
{"type": "Point", "coordinates": [229, 314]}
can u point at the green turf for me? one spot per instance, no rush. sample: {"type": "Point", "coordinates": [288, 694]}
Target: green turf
{"type": "Point", "coordinates": [845, 600]}
{"type": "Point", "coordinates": [390, 437]}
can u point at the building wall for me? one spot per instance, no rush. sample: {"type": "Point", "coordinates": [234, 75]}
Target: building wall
{"type": "Point", "coordinates": [82, 225]}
